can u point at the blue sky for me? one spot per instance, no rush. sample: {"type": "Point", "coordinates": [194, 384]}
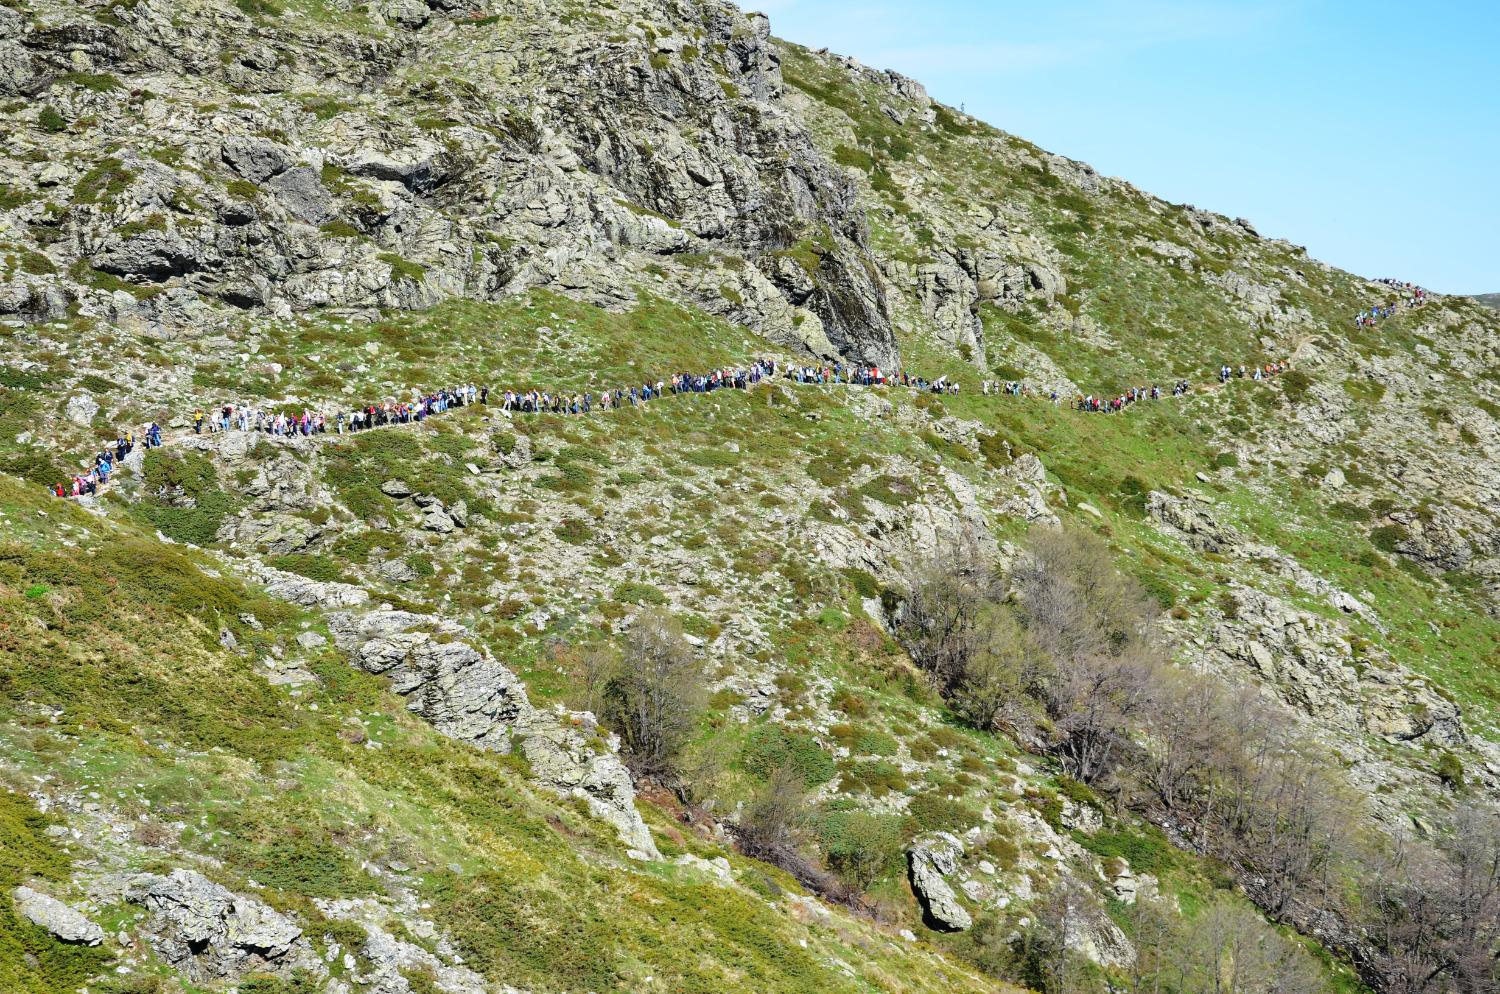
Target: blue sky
{"type": "Point", "coordinates": [1367, 131]}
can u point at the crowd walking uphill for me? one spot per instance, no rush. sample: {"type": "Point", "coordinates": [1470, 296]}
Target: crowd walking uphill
{"type": "Point", "coordinates": [1409, 297]}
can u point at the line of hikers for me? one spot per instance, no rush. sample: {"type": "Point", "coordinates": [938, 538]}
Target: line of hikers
{"type": "Point", "coordinates": [867, 376]}
{"type": "Point", "coordinates": [1411, 296]}
{"type": "Point", "coordinates": [105, 461]}
{"type": "Point", "coordinates": [1270, 369]}
{"type": "Point", "coordinates": [246, 418]}
{"type": "Point", "coordinates": [1117, 403]}
{"type": "Point", "coordinates": [540, 401]}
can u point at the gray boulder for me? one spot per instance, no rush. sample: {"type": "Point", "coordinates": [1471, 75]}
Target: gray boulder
{"type": "Point", "coordinates": [11, 22]}
{"type": "Point", "coordinates": [415, 168]}
{"type": "Point", "coordinates": [466, 694]}
{"type": "Point", "coordinates": [208, 931]}
{"type": "Point", "coordinates": [396, 488]}
{"type": "Point", "coordinates": [302, 193]}
{"type": "Point", "coordinates": [81, 409]}
{"type": "Point", "coordinates": [154, 255]}
{"type": "Point", "coordinates": [256, 159]}
{"type": "Point", "coordinates": [28, 300]}
{"type": "Point", "coordinates": [56, 917]}
{"type": "Point", "coordinates": [398, 571]}
{"type": "Point", "coordinates": [409, 14]}
{"type": "Point", "coordinates": [929, 860]}
{"type": "Point", "coordinates": [437, 520]}
{"type": "Point", "coordinates": [309, 593]}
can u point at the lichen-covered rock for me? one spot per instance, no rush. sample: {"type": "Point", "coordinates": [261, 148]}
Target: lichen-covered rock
{"type": "Point", "coordinates": [64, 922]}
{"type": "Point", "coordinates": [207, 931]}
{"type": "Point", "coordinates": [466, 694]}
{"type": "Point", "coordinates": [930, 859]}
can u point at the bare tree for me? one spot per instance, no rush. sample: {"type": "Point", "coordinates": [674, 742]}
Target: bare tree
{"type": "Point", "coordinates": [591, 669]}
{"type": "Point", "coordinates": [1434, 916]}
{"type": "Point", "coordinates": [1094, 702]}
{"type": "Point", "coordinates": [1061, 919]}
{"type": "Point", "coordinates": [1230, 950]}
{"type": "Point", "coordinates": [773, 829]}
{"type": "Point", "coordinates": [654, 698]}
{"type": "Point", "coordinates": [950, 597]}
{"type": "Point", "coordinates": [1074, 602]}
{"type": "Point", "coordinates": [1000, 675]}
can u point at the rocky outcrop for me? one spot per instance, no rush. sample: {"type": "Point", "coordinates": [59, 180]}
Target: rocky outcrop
{"type": "Point", "coordinates": [1193, 521]}
{"type": "Point", "coordinates": [65, 923]}
{"type": "Point", "coordinates": [929, 860]}
{"type": "Point", "coordinates": [466, 694]}
{"type": "Point", "coordinates": [392, 959]}
{"type": "Point", "coordinates": [1309, 662]}
{"type": "Point", "coordinates": [671, 150]}
{"type": "Point", "coordinates": [209, 932]}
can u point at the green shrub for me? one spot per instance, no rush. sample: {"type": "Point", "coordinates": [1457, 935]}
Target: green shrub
{"type": "Point", "coordinates": [934, 811]}
{"type": "Point", "coordinates": [339, 228]}
{"type": "Point", "coordinates": [97, 82]}
{"type": "Point", "coordinates": [300, 982]}
{"type": "Point", "coordinates": [877, 777]}
{"type": "Point", "coordinates": [51, 121]}
{"type": "Point", "coordinates": [863, 741]}
{"type": "Point", "coordinates": [105, 183]}
{"type": "Point", "coordinates": [773, 747]}
{"type": "Point", "coordinates": [1295, 383]}
{"type": "Point", "coordinates": [861, 847]}
{"type": "Point", "coordinates": [403, 269]}
{"type": "Point", "coordinates": [1450, 770]}
{"type": "Point", "coordinates": [183, 498]}
{"type": "Point", "coordinates": [1387, 537]}
{"type": "Point", "coordinates": [1005, 853]}
{"type": "Point", "coordinates": [865, 585]}
{"type": "Point", "coordinates": [1147, 851]}
{"type": "Point", "coordinates": [634, 592]}
{"type": "Point", "coordinates": [851, 702]}
{"type": "Point", "coordinates": [324, 569]}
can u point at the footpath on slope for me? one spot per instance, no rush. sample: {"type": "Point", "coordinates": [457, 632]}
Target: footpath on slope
{"type": "Point", "coordinates": [322, 427]}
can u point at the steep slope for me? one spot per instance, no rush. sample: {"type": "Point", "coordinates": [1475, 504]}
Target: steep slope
{"type": "Point", "coordinates": [365, 708]}
{"type": "Point", "coordinates": [1491, 300]}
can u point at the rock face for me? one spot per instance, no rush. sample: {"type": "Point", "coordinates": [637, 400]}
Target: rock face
{"type": "Point", "coordinates": [209, 932]}
{"type": "Point", "coordinates": [466, 694]}
{"type": "Point", "coordinates": [56, 917]}
{"type": "Point", "coordinates": [1307, 660]}
{"type": "Point", "coordinates": [929, 859]}
{"type": "Point", "coordinates": [671, 150]}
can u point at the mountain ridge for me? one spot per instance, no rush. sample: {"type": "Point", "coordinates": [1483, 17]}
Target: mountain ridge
{"type": "Point", "coordinates": [390, 661]}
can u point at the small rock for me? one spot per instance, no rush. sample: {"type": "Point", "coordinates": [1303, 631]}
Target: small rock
{"type": "Point", "coordinates": [81, 409]}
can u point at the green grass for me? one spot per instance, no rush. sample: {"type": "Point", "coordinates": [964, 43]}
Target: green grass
{"type": "Point", "coordinates": [125, 642]}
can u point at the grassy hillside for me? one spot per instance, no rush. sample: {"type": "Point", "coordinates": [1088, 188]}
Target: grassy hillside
{"type": "Point", "coordinates": [580, 198]}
